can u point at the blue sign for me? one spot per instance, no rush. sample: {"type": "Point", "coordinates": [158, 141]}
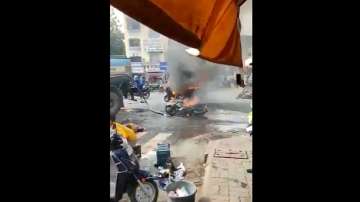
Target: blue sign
{"type": "Point", "coordinates": [163, 66]}
{"type": "Point", "coordinates": [119, 62]}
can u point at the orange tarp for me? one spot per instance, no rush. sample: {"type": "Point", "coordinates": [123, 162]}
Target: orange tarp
{"type": "Point", "coordinates": [208, 25]}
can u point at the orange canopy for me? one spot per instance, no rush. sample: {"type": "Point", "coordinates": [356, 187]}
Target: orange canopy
{"type": "Point", "coordinates": [208, 25]}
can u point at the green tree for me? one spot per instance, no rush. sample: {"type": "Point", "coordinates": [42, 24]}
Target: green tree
{"type": "Point", "coordinates": [117, 45]}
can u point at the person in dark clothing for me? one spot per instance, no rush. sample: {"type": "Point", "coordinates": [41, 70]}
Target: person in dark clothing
{"type": "Point", "coordinates": [126, 89]}
{"type": "Point", "coordinates": [139, 85]}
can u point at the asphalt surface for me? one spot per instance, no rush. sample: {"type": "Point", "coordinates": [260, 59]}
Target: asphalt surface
{"type": "Point", "coordinates": [226, 115]}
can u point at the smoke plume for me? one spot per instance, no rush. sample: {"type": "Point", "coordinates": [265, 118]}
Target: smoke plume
{"type": "Point", "coordinates": [186, 70]}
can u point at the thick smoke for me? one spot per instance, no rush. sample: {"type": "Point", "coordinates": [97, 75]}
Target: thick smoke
{"type": "Point", "coordinates": [186, 70]}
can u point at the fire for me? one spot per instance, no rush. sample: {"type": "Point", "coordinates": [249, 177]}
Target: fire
{"type": "Point", "coordinates": [195, 87]}
{"type": "Point", "coordinates": [189, 102]}
{"type": "Point", "coordinates": [187, 93]}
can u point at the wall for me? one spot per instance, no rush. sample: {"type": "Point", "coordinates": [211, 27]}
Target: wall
{"type": "Point", "coordinates": [246, 18]}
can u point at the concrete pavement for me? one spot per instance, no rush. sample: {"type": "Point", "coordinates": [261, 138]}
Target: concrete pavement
{"type": "Point", "coordinates": [226, 179]}
{"type": "Point", "coordinates": [227, 117]}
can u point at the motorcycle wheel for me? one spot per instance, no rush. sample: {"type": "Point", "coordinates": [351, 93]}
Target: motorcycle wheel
{"type": "Point", "coordinates": [146, 94]}
{"type": "Point", "coordinates": [166, 98]}
{"type": "Point", "coordinates": [171, 110]}
{"type": "Point", "coordinates": [136, 194]}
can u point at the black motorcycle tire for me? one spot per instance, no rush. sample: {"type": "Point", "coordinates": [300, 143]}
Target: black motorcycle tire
{"type": "Point", "coordinates": [170, 110]}
{"type": "Point", "coordinates": [131, 191]}
{"type": "Point", "coordinates": [166, 98]}
{"type": "Point", "coordinates": [146, 94]}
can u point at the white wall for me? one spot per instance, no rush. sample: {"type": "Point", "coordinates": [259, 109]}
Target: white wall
{"type": "Point", "coordinates": [246, 18]}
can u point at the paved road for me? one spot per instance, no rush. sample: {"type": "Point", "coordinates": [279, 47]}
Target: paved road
{"type": "Point", "coordinates": [226, 114]}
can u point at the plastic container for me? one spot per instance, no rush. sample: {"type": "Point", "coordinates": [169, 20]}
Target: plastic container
{"type": "Point", "coordinates": [162, 154]}
{"type": "Point", "coordinates": [190, 191]}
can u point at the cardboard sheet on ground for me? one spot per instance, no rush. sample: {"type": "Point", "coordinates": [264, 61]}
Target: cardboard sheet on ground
{"type": "Point", "coordinates": [208, 25]}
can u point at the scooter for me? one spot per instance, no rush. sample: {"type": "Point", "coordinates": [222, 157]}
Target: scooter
{"type": "Point", "coordinates": [178, 109]}
{"type": "Point", "coordinates": [138, 184]}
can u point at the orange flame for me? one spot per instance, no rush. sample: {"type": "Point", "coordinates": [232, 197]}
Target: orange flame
{"type": "Point", "coordinates": [189, 102]}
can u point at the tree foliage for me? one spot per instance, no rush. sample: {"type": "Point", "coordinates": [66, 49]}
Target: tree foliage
{"type": "Point", "coordinates": [117, 45]}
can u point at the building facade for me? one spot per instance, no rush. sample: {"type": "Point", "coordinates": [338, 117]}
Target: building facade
{"type": "Point", "coordinates": [145, 47]}
{"type": "Point", "coordinates": [246, 29]}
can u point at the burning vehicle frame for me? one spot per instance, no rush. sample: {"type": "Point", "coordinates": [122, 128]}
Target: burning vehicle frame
{"type": "Point", "coordinates": [185, 102]}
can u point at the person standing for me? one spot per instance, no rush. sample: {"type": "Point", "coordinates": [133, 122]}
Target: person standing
{"type": "Point", "coordinates": [139, 82]}
{"type": "Point", "coordinates": [126, 89]}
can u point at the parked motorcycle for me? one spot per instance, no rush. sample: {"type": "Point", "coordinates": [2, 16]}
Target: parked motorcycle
{"type": "Point", "coordinates": [138, 184]}
{"type": "Point", "coordinates": [178, 109]}
{"type": "Point", "coordinates": [145, 91]}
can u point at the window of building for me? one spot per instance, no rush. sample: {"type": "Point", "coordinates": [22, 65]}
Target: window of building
{"type": "Point", "coordinates": [132, 25]}
{"type": "Point", "coordinates": [155, 58]}
{"type": "Point", "coordinates": [134, 42]}
{"type": "Point", "coordinates": [135, 59]}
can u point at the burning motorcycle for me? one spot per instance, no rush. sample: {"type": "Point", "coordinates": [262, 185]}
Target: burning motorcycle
{"type": "Point", "coordinates": [169, 95]}
{"type": "Point", "coordinates": [138, 184]}
{"type": "Point", "coordinates": [180, 109]}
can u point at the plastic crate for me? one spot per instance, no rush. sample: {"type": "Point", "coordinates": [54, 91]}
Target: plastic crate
{"type": "Point", "coordinates": [163, 154]}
